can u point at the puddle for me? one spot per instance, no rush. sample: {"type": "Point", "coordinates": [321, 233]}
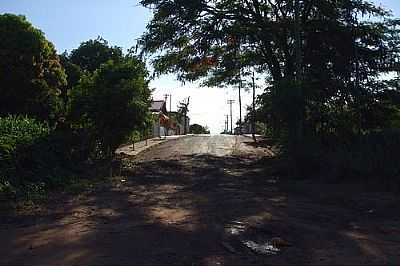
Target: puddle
{"type": "Point", "coordinates": [263, 249]}
{"type": "Point", "coordinates": [235, 228]}
{"type": "Point", "coordinates": [243, 236]}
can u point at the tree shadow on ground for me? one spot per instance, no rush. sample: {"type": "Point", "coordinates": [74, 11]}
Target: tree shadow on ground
{"type": "Point", "coordinates": [195, 210]}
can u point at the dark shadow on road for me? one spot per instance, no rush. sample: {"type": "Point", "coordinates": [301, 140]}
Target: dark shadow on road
{"type": "Point", "coordinates": [182, 211]}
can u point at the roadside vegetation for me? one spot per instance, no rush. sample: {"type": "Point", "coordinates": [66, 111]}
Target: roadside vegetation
{"type": "Point", "coordinates": [331, 92]}
{"type": "Point", "coordinates": [60, 114]}
{"type": "Point", "coordinates": [198, 129]}
{"type": "Point", "coordinates": [320, 187]}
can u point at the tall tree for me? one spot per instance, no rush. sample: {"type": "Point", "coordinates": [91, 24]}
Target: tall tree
{"type": "Point", "coordinates": [198, 129]}
{"type": "Point", "coordinates": [112, 103]}
{"type": "Point", "coordinates": [30, 72]}
{"type": "Point", "coordinates": [183, 110]}
{"type": "Point", "coordinates": [90, 55]}
{"type": "Point", "coordinates": [73, 73]}
{"type": "Point", "coordinates": [302, 46]}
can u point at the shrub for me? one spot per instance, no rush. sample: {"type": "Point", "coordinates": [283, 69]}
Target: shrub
{"type": "Point", "coordinates": [16, 135]}
{"type": "Point", "coordinates": [111, 103]}
{"type": "Point", "coordinates": [370, 158]}
{"type": "Point", "coordinates": [198, 129]}
{"type": "Point", "coordinates": [31, 156]}
{"type": "Point", "coordinates": [376, 157]}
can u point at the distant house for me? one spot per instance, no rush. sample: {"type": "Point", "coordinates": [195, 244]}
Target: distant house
{"type": "Point", "coordinates": [178, 123]}
{"type": "Point", "coordinates": [161, 119]}
{"type": "Point", "coordinates": [167, 123]}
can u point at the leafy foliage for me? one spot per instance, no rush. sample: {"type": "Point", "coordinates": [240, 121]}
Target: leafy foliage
{"type": "Point", "coordinates": [93, 98]}
{"type": "Point", "coordinates": [198, 129]}
{"type": "Point", "coordinates": [74, 74]}
{"type": "Point", "coordinates": [17, 135]}
{"type": "Point", "coordinates": [343, 55]}
{"type": "Point", "coordinates": [90, 55]}
{"type": "Point", "coordinates": [30, 72]}
{"type": "Point", "coordinates": [112, 102]}
{"type": "Point", "coordinates": [324, 62]}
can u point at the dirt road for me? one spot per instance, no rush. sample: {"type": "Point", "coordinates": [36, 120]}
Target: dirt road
{"type": "Point", "coordinates": [204, 200]}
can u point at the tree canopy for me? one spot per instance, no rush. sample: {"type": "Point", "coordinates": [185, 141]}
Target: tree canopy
{"type": "Point", "coordinates": [90, 55]}
{"type": "Point", "coordinates": [30, 72]}
{"type": "Point", "coordinates": [74, 74]}
{"type": "Point", "coordinates": [330, 80]}
{"type": "Point", "coordinates": [198, 129]}
{"type": "Point", "coordinates": [112, 102]}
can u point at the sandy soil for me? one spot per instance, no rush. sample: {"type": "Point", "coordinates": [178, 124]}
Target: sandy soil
{"type": "Point", "coordinates": [203, 200]}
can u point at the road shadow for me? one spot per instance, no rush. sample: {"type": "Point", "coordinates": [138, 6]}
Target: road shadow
{"type": "Point", "coordinates": [197, 210]}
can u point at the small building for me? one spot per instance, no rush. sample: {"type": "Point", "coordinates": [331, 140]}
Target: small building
{"type": "Point", "coordinates": [167, 123]}
{"type": "Point", "coordinates": [161, 119]}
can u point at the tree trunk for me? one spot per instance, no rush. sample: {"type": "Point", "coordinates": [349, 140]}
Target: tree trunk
{"type": "Point", "coordinates": [299, 64]}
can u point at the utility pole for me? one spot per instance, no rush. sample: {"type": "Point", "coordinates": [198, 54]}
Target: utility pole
{"type": "Point", "coordinates": [240, 84]}
{"type": "Point", "coordinates": [240, 102]}
{"type": "Point", "coordinates": [170, 102]}
{"type": "Point", "coordinates": [226, 123]}
{"type": "Point", "coordinates": [187, 110]}
{"type": "Point", "coordinates": [253, 116]}
{"type": "Point", "coordinates": [230, 102]}
{"type": "Point", "coordinates": [166, 100]}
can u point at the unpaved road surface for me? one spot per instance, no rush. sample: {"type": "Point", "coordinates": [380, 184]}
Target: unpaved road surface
{"type": "Point", "coordinates": [205, 200]}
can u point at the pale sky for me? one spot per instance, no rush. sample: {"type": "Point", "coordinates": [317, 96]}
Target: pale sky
{"type": "Point", "coordinates": [121, 22]}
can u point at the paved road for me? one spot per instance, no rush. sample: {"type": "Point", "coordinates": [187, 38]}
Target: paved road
{"type": "Point", "coordinates": [207, 145]}
{"type": "Point", "coordinates": [216, 145]}
{"type": "Point", "coordinates": [205, 200]}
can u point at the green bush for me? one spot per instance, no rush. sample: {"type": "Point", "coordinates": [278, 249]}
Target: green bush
{"type": "Point", "coordinates": [110, 104]}
{"type": "Point", "coordinates": [32, 157]}
{"type": "Point", "coordinates": [370, 158]}
{"type": "Point", "coordinates": [16, 134]}
{"type": "Point", "coordinates": [375, 157]}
